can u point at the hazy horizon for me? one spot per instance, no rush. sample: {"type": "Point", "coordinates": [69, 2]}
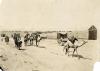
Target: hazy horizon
{"type": "Point", "coordinates": [52, 15]}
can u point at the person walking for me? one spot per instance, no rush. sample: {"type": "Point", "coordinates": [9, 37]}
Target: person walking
{"type": "Point", "coordinates": [7, 39]}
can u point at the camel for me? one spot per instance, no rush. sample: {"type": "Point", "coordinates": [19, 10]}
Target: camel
{"type": "Point", "coordinates": [69, 44]}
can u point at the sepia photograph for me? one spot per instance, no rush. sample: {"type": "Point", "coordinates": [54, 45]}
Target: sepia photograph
{"type": "Point", "coordinates": [49, 35]}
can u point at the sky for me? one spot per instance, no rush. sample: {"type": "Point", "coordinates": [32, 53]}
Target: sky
{"type": "Point", "coordinates": [49, 15]}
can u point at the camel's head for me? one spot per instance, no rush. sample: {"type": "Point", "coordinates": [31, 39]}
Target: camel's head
{"type": "Point", "coordinates": [85, 42]}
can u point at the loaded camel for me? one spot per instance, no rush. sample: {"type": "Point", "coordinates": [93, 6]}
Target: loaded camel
{"type": "Point", "coordinates": [72, 43]}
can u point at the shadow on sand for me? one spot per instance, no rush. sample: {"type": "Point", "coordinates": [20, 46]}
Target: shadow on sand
{"type": "Point", "coordinates": [81, 57]}
{"type": "Point", "coordinates": [22, 49]}
{"type": "Point", "coordinates": [41, 46]}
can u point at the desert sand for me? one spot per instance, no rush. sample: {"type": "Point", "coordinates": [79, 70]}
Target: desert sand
{"type": "Point", "coordinates": [49, 56]}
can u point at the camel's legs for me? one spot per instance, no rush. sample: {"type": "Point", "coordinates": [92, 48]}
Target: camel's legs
{"type": "Point", "coordinates": [64, 48]}
{"type": "Point", "coordinates": [76, 51]}
{"type": "Point", "coordinates": [73, 52]}
{"type": "Point", "coordinates": [67, 51]}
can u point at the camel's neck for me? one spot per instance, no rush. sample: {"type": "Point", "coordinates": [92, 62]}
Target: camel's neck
{"type": "Point", "coordinates": [82, 44]}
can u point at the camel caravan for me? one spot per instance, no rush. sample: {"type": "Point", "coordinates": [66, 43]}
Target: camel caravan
{"type": "Point", "coordinates": [17, 38]}
{"type": "Point", "coordinates": [31, 37]}
{"type": "Point", "coordinates": [68, 40]}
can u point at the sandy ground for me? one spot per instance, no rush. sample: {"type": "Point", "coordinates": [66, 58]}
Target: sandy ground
{"type": "Point", "coordinates": [49, 56]}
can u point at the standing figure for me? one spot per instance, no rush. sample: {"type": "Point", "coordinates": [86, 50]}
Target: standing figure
{"type": "Point", "coordinates": [26, 39]}
{"type": "Point", "coordinates": [17, 40]}
{"type": "Point", "coordinates": [7, 40]}
{"type": "Point", "coordinates": [38, 38]}
{"type": "Point", "coordinates": [31, 39]}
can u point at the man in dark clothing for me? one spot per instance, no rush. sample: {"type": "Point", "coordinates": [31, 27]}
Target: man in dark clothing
{"type": "Point", "coordinates": [7, 39]}
{"type": "Point", "coordinates": [36, 37]}
{"type": "Point", "coordinates": [17, 40]}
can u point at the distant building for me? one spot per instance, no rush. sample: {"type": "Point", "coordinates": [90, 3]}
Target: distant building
{"type": "Point", "coordinates": [92, 33]}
